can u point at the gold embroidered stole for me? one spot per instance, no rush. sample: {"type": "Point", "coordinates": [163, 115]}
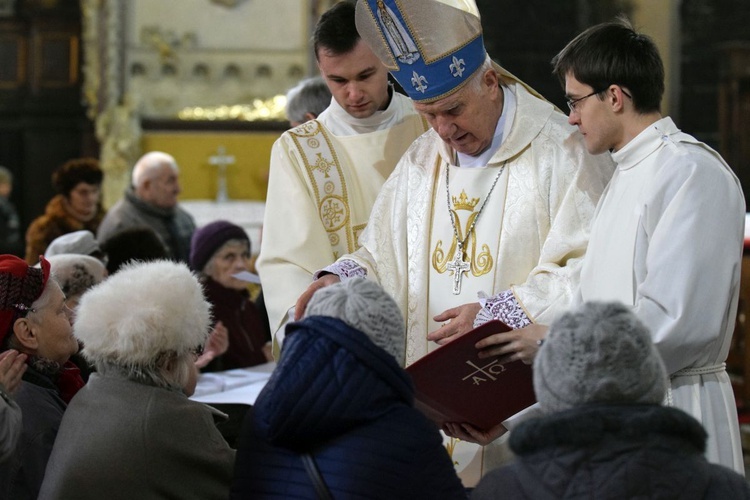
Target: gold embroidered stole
{"type": "Point", "coordinates": [326, 177]}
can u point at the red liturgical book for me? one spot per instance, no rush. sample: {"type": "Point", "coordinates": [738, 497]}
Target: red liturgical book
{"type": "Point", "coordinates": [454, 385]}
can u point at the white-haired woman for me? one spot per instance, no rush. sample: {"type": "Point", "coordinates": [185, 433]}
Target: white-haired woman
{"type": "Point", "coordinates": [132, 432]}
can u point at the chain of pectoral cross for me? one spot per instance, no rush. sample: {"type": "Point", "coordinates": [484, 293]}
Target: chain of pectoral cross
{"type": "Point", "coordinates": [459, 266]}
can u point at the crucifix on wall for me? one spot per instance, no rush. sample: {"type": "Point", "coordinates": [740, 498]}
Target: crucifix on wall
{"type": "Point", "coordinates": [221, 160]}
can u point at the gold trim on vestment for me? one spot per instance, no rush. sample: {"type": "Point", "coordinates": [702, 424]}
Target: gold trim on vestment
{"type": "Point", "coordinates": [326, 178]}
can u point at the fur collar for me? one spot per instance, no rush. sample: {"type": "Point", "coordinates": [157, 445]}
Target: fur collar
{"type": "Point", "coordinates": [590, 424]}
{"type": "Point", "coordinates": [56, 210]}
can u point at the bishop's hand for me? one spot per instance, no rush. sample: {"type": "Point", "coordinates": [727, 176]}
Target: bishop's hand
{"type": "Point", "coordinates": [323, 281]}
{"type": "Point", "coordinates": [457, 321]}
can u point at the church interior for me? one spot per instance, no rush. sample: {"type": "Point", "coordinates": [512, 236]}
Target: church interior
{"type": "Point", "coordinates": [204, 80]}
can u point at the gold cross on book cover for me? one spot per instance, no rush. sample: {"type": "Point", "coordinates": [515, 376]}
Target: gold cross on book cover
{"type": "Point", "coordinates": [452, 384]}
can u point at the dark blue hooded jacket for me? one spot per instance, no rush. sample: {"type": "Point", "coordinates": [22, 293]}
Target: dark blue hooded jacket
{"type": "Point", "coordinates": [336, 394]}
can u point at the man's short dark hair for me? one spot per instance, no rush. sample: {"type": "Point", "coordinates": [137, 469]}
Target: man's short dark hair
{"type": "Point", "coordinates": [336, 30]}
{"type": "Point", "coordinates": [613, 53]}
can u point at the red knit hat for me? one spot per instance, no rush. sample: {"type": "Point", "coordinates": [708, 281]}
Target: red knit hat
{"type": "Point", "coordinates": [20, 286]}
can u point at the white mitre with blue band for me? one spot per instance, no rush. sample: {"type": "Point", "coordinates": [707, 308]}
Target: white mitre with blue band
{"type": "Point", "coordinates": [431, 47]}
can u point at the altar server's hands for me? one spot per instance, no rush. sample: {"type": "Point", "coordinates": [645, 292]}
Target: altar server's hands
{"type": "Point", "coordinates": [467, 432]}
{"type": "Point", "coordinates": [520, 344]}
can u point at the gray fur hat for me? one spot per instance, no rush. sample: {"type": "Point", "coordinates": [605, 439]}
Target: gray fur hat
{"type": "Point", "coordinates": [598, 353]}
{"type": "Point", "coordinates": [364, 305]}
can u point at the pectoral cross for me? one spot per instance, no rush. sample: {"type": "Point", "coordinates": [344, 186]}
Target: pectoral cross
{"type": "Point", "coordinates": [459, 266]}
{"type": "Point", "coordinates": [221, 160]}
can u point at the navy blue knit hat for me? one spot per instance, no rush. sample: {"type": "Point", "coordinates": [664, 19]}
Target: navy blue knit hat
{"type": "Point", "coordinates": [209, 238]}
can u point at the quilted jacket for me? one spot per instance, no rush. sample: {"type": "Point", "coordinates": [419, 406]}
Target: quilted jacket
{"type": "Point", "coordinates": [337, 395]}
{"type": "Point", "coordinates": [612, 452]}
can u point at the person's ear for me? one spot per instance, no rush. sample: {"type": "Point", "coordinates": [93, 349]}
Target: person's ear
{"type": "Point", "coordinates": [491, 79]}
{"type": "Point", "coordinates": [616, 98]}
{"type": "Point", "coordinates": [25, 334]}
{"type": "Point", "coordinates": [310, 116]}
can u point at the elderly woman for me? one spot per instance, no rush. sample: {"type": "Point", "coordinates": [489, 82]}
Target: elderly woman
{"type": "Point", "coordinates": [77, 206]}
{"type": "Point", "coordinates": [603, 432]}
{"type": "Point", "coordinates": [76, 274]}
{"type": "Point", "coordinates": [339, 401]}
{"type": "Point", "coordinates": [218, 251]}
{"type": "Point", "coordinates": [132, 432]}
{"type": "Point", "coordinates": [35, 321]}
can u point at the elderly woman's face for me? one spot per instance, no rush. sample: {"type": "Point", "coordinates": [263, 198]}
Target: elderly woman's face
{"type": "Point", "coordinates": [84, 198]}
{"type": "Point", "coordinates": [230, 259]}
{"type": "Point", "coordinates": [51, 322]}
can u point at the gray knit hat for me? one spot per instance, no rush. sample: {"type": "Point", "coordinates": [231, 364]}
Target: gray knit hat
{"type": "Point", "coordinates": [364, 305]}
{"type": "Point", "coordinates": [599, 353]}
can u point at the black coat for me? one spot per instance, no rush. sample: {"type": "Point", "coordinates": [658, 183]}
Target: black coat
{"type": "Point", "coordinates": [339, 396]}
{"type": "Point", "coordinates": [612, 452]}
{"type": "Point", "coordinates": [42, 410]}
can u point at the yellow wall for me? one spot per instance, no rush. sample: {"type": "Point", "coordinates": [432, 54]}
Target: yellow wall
{"type": "Point", "coordinates": [247, 178]}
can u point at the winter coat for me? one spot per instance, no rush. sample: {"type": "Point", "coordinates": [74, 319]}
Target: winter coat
{"type": "Point", "coordinates": [243, 321]}
{"type": "Point", "coordinates": [121, 439]}
{"type": "Point", "coordinates": [55, 222]}
{"type": "Point", "coordinates": [174, 226]}
{"type": "Point", "coordinates": [612, 452]}
{"type": "Point", "coordinates": [42, 409]}
{"type": "Point", "coordinates": [338, 396]}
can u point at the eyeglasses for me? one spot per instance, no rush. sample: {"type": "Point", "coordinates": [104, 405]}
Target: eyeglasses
{"type": "Point", "coordinates": [573, 103]}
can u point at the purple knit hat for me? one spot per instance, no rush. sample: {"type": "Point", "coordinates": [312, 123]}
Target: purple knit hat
{"type": "Point", "coordinates": [209, 238]}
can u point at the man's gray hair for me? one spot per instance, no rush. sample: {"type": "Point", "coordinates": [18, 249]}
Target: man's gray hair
{"type": "Point", "coordinates": [310, 95]}
{"type": "Point", "coordinates": [474, 85]}
{"type": "Point", "coordinates": [149, 165]}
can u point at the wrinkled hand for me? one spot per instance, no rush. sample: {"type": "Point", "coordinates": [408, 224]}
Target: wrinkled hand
{"type": "Point", "coordinates": [323, 281]}
{"type": "Point", "coordinates": [216, 345]}
{"type": "Point", "coordinates": [467, 432]}
{"type": "Point", "coordinates": [516, 344]}
{"type": "Point", "coordinates": [458, 320]}
{"type": "Point", "coordinates": [268, 351]}
{"type": "Point", "coordinates": [12, 368]}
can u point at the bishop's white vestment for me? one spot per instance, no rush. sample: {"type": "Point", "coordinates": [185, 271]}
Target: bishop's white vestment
{"type": "Point", "coordinates": [667, 240]}
{"type": "Point", "coordinates": [324, 177]}
{"type": "Point", "coordinates": [530, 238]}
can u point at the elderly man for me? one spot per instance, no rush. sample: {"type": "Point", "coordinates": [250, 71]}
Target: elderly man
{"type": "Point", "coordinates": [495, 202]}
{"type": "Point", "coordinates": [151, 201]}
{"type": "Point", "coordinates": [326, 173]}
{"type": "Point", "coordinates": [306, 100]}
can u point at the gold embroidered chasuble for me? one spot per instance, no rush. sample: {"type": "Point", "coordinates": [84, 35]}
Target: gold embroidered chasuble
{"type": "Point", "coordinates": [535, 229]}
{"type": "Point", "coordinates": [321, 189]}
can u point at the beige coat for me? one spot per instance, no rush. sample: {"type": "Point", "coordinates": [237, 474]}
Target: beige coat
{"type": "Point", "coordinates": [123, 439]}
